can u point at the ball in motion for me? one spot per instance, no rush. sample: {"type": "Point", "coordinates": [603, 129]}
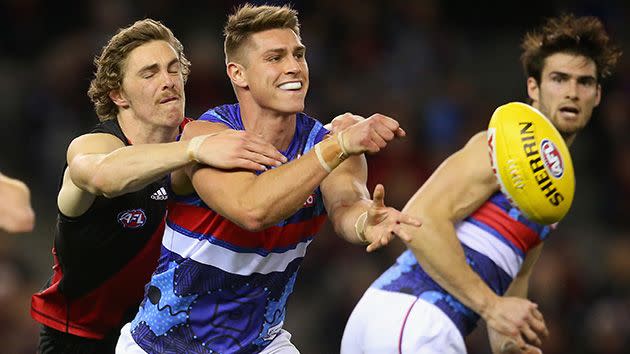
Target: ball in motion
{"type": "Point", "coordinates": [531, 162]}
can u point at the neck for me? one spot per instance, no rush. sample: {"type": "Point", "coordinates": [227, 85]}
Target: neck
{"type": "Point", "coordinates": [275, 127]}
{"type": "Point", "coordinates": [140, 132]}
{"type": "Point", "coordinates": [569, 139]}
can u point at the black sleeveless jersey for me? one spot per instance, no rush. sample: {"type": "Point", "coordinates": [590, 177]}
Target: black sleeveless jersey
{"type": "Point", "coordinates": [103, 258]}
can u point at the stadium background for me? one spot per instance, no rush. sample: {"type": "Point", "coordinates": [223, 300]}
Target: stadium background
{"type": "Point", "coordinates": [440, 67]}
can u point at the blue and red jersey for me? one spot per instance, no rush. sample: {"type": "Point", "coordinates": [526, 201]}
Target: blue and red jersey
{"type": "Point", "coordinates": [218, 287]}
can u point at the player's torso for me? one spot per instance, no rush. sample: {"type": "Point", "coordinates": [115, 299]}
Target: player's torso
{"type": "Point", "coordinates": [221, 285]}
{"type": "Point", "coordinates": [495, 239]}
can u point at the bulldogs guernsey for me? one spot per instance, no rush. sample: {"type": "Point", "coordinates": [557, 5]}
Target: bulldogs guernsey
{"type": "Point", "coordinates": [495, 239]}
{"type": "Point", "coordinates": [219, 288]}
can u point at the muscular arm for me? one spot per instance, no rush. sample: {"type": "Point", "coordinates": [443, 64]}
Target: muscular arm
{"type": "Point", "coordinates": [100, 164]}
{"type": "Point", "coordinates": [252, 201]}
{"type": "Point", "coordinates": [346, 196]}
{"type": "Point", "coordinates": [16, 214]}
{"type": "Point", "coordinates": [457, 188]}
{"type": "Point", "coordinates": [520, 285]}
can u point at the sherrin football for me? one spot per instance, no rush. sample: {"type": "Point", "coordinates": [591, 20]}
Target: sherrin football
{"type": "Point", "coordinates": [531, 162]}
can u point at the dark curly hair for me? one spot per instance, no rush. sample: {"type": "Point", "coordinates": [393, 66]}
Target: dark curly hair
{"type": "Point", "coordinates": [584, 36]}
{"type": "Point", "coordinates": [109, 64]}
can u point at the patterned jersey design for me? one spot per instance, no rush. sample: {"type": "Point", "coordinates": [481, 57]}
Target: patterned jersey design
{"type": "Point", "coordinates": [219, 288]}
{"type": "Point", "coordinates": [495, 239]}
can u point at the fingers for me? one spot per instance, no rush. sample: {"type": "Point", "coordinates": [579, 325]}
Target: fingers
{"type": "Point", "coordinates": [258, 158]}
{"type": "Point", "coordinates": [408, 220]}
{"type": "Point", "coordinates": [530, 335]}
{"type": "Point", "coordinates": [265, 150]}
{"type": "Point", "coordinates": [378, 197]}
{"type": "Point", "coordinates": [388, 122]}
{"type": "Point", "coordinates": [537, 323]}
{"type": "Point", "coordinates": [402, 234]}
{"type": "Point", "coordinates": [372, 134]}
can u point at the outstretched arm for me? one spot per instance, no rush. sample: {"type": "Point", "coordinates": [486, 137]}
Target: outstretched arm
{"type": "Point", "coordinates": [100, 164]}
{"type": "Point", "coordinates": [257, 201]}
{"type": "Point", "coordinates": [457, 188]}
{"type": "Point", "coordinates": [355, 216]}
{"type": "Point", "coordinates": [500, 343]}
{"type": "Point", "coordinates": [16, 214]}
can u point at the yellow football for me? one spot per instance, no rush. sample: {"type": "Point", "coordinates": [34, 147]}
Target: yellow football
{"type": "Point", "coordinates": [531, 162]}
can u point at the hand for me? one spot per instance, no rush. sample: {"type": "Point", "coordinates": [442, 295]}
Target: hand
{"type": "Point", "coordinates": [384, 222]}
{"type": "Point", "coordinates": [517, 319]}
{"type": "Point", "coordinates": [502, 344]}
{"type": "Point", "coordinates": [370, 135]}
{"type": "Point", "coordinates": [342, 122]}
{"type": "Point", "coordinates": [231, 149]}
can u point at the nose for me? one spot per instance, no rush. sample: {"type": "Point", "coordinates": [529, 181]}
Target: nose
{"type": "Point", "coordinates": [572, 90]}
{"type": "Point", "coordinates": [167, 80]}
{"type": "Point", "coordinates": [292, 66]}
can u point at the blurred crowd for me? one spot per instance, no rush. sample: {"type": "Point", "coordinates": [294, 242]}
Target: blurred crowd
{"type": "Point", "coordinates": [439, 67]}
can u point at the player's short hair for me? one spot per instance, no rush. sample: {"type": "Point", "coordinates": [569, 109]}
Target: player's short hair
{"type": "Point", "coordinates": [584, 36]}
{"type": "Point", "coordinates": [248, 19]}
{"type": "Point", "coordinates": [110, 63]}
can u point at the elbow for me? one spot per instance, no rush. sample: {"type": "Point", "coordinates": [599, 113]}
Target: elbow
{"type": "Point", "coordinates": [256, 218]}
{"type": "Point", "coordinates": [104, 185]}
{"type": "Point", "coordinates": [253, 221]}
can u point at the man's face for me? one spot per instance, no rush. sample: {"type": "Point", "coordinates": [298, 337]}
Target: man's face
{"type": "Point", "coordinates": [275, 70]}
{"type": "Point", "coordinates": [567, 93]}
{"type": "Point", "coordinates": [153, 85]}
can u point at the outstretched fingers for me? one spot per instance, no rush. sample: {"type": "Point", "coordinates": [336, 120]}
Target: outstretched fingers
{"type": "Point", "coordinates": [378, 197]}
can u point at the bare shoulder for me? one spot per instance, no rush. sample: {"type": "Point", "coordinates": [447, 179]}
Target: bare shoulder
{"type": "Point", "coordinates": [474, 157]}
{"type": "Point", "coordinates": [201, 127]}
{"type": "Point", "coordinates": [94, 143]}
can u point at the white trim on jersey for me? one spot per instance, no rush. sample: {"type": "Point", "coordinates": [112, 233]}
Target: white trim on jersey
{"type": "Point", "coordinates": [484, 242]}
{"type": "Point", "coordinates": [203, 251]}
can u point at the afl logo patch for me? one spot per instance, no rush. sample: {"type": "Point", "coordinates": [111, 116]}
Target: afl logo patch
{"type": "Point", "coordinates": [551, 158]}
{"type": "Point", "coordinates": [132, 219]}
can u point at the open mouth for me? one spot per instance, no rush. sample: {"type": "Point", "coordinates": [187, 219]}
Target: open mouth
{"type": "Point", "coordinates": [291, 86]}
{"type": "Point", "coordinates": [569, 111]}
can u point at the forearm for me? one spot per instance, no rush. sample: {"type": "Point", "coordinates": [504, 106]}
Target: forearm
{"type": "Point", "coordinates": [345, 217]}
{"type": "Point", "coordinates": [131, 168]}
{"type": "Point", "coordinates": [518, 288]}
{"type": "Point", "coordinates": [438, 250]}
{"type": "Point", "coordinates": [280, 192]}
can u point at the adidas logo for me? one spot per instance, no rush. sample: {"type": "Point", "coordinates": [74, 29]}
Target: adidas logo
{"type": "Point", "coordinates": [160, 194]}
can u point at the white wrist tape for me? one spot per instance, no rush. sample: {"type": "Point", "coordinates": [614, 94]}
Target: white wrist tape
{"type": "Point", "coordinates": [359, 227]}
{"type": "Point", "coordinates": [193, 147]}
{"type": "Point", "coordinates": [320, 157]}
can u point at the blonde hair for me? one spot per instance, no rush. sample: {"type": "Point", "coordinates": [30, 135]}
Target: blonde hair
{"type": "Point", "coordinates": [109, 64]}
{"type": "Point", "coordinates": [249, 19]}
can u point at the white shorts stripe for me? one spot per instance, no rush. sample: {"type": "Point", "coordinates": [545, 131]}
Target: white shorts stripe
{"type": "Point", "coordinates": [484, 242]}
{"type": "Point", "coordinates": [203, 251]}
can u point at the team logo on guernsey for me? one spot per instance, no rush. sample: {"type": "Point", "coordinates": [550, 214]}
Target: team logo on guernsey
{"type": "Point", "coordinates": [160, 194]}
{"type": "Point", "coordinates": [132, 219]}
{"type": "Point", "coordinates": [552, 159]}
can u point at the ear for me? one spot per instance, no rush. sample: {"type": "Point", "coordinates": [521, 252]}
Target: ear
{"type": "Point", "coordinates": [598, 95]}
{"type": "Point", "coordinates": [118, 98]}
{"type": "Point", "coordinates": [236, 73]}
{"type": "Point", "coordinates": [533, 90]}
